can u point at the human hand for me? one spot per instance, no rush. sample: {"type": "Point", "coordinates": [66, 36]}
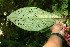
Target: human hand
{"type": "Point", "coordinates": [59, 27]}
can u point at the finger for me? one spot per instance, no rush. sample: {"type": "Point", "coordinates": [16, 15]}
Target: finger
{"type": "Point", "coordinates": [57, 22]}
{"type": "Point", "coordinates": [62, 31]}
{"type": "Point", "coordinates": [61, 23]}
{"type": "Point", "coordinates": [64, 25]}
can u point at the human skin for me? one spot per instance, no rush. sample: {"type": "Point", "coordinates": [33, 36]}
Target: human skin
{"type": "Point", "coordinates": [54, 40]}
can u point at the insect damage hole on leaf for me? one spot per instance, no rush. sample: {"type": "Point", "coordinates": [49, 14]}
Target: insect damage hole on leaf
{"type": "Point", "coordinates": [19, 24]}
{"type": "Point", "coordinates": [31, 9]}
{"type": "Point", "coordinates": [28, 17]}
{"type": "Point", "coordinates": [23, 20]}
{"type": "Point", "coordinates": [38, 25]}
{"type": "Point", "coordinates": [23, 24]}
{"type": "Point", "coordinates": [35, 8]}
{"type": "Point", "coordinates": [32, 19]}
{"type": "Point", "coordinates": [23, 15]}
{"type": "Point", "coordinates": [35, 15]}
{"type": "Point", "coordinates": [21, 11]}
{"type": "Point", "coordinates": [14, 20]}
{"type": "Point", "coordinates": [18, 11]}
{"type": "Point", "coordinates": [32, 23]}
{"type": "Point", "coordinates": [18, 20]}
{"type": "Point", "coordinates": [43, 23]}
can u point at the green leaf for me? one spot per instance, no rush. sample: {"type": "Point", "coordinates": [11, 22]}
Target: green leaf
{"type": "Point", "coordinates": [64, 6]}
{"type": "Point", "coordinates": [68, 22]}
{"type": "Point", "coordinates": [48, 34]}
{"type": "Point", "coordinates": [1, 1]}
{"type": "Point", "coordinates": [33, 18]}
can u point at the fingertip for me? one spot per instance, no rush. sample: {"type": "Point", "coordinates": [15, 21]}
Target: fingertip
{"type": "Point", "coordinates": [57, 22]}
{"type": "Point", "coordinates": [61, 23]}
{"type": "Point", "coordinates": [64, 25]}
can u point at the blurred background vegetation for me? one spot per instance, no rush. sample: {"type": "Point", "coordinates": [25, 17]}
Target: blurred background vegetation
{"type": "Point", "coordinates": [13, 36]}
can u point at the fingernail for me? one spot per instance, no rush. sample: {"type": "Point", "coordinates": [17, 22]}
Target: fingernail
{"type": "Point", "coordinates": [65, 25]}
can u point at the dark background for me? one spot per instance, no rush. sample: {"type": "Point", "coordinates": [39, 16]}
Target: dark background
{"type": "Point", "coordinates": [13, 36]}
